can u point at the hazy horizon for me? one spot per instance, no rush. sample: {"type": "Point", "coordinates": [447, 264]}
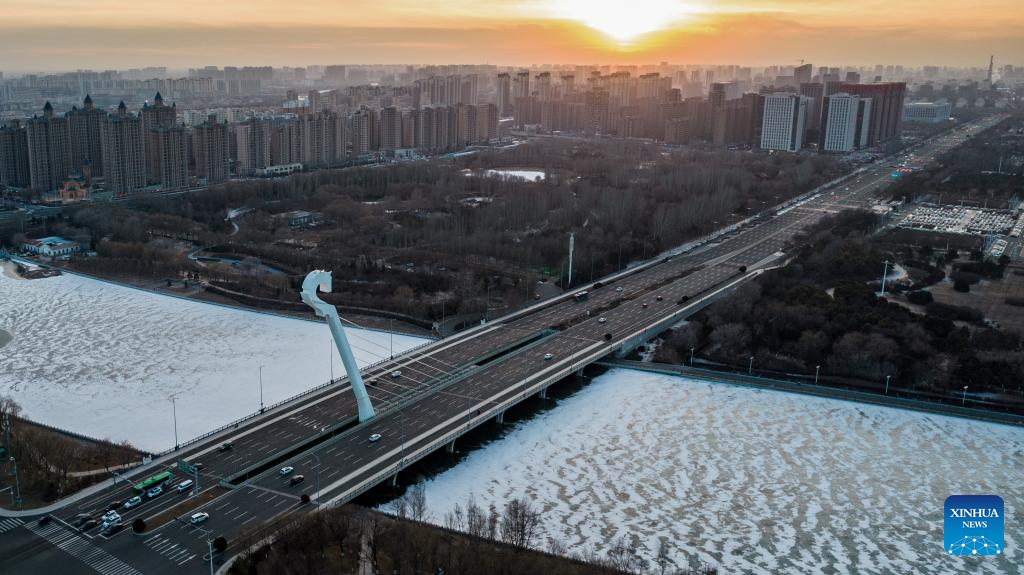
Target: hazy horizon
{"type": "Point", "coordinates": [65, 35]}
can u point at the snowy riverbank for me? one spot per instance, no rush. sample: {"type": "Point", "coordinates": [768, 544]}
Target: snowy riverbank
{"type": "Point", "coordinates": [104, 360]}
{"type": "Point", "coordinates": [753, 481]}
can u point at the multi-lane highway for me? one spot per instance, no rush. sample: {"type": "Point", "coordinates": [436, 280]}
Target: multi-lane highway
{"type": "Point", "coordinates": [425, 400]}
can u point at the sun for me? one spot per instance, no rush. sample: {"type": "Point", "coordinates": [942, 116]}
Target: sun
{"type": "Point", "coordinates": [623, 20]}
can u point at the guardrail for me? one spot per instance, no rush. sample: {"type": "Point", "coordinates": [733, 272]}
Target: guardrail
{"type": "Point", "coordinates": [291, 399]}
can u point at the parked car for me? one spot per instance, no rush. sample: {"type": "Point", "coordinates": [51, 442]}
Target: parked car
{"type": "Point", "coordinates": [396, 374]}
{"type": "Point", "coordinates": [132, 502]}
{"type": "Point", "coordinates": [375, 437]}
{"type": "Point", "coordinates": [154, 492]}
{"type": "Point", "coordinates": [286, 470]}
{"type": "Point", "coordinates": [185, 485]}
{"type": "Point", "coordinates": [198, 518]}
{"type": "Point", "coordinates": [296, 480]}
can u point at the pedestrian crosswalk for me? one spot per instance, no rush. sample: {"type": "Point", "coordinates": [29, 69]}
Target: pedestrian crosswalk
{"type": "Point", "coordinates": [82, 549]}
{"type": "Point", "coordinates": [9, 523]}
{"type": "Point", "coordinates": [176, 552]}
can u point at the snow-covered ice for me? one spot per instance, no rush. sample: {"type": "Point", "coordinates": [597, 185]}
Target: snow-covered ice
{"type": "Point", "coordinates": [104, 360]}
{"type": "Point", "coordinates": [753, 481]}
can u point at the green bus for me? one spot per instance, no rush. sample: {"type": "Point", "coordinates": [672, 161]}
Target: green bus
{"type": "Point", "coordinates": [157, 479]}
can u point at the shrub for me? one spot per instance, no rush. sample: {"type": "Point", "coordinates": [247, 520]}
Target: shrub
{"type": "Point", "coordinates": [961, 285]}
{"type": "Point", "coordinates": [920, 297]}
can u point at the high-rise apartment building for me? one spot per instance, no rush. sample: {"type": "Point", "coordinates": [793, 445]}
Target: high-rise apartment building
{"type": "Point", "coordinates": [86, 148]}
{"type": "Point", "coordinates": [845, 121]}
{"type": "Point", "coordinates": [521, 86]}
{"type": "Point", "coordinates": [124, 163]}
{"type": "Point", "coordinates": [802, 74]}
{"type": "Point", "coordinates": [14, 166]}
{"type": "Point", "coordinates": [886, 107]}
{"type": "Point", "coordinates": [391, 129]}
{"type": "Point", "coordinates": [252, 145]}
{"type": "Point", "coordinates": [210, 144]}
{"type": "Point", "coordinates": [504, 95]}
{"type": "Point", "coordinates": [49, 150]}
{"type": "Point", "coordinates": [170, 151]}
{"type": "Point", "coordinates": [361, 132]}
{"type": "Point", "coordinates": [815, 92]}
{"type": "Point", "coordinates": [783, 122]}
{"type": "Point", "coordinates": [157, 116]}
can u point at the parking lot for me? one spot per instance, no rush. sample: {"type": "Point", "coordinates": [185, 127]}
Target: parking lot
{"type": "Point", "coordinates": [961, 220]}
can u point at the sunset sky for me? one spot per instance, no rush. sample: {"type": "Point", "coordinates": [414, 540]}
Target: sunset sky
{"type": "Point", "coordinates": [69, 34]}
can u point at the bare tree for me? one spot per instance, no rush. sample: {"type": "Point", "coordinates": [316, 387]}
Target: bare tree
{"type": "Point", "coordinates": [520, 523]}
{"type": "Point", "coordinates": [418, 503]}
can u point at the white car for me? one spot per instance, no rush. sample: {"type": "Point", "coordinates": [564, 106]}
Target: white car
{"type": "Point", "coordinates": [110, 516]}
{"type": "Point", "coordinates": [198, 518]}
{"type": "Point", "coordinates": [286, 470]}
{"type": "Point", "coordinates": [185, 485]}
{"type": "Point", "coordinates": [619, 289]}
{"type": "Point", "coordinates": [375, 437]}
{"type": "Point", "coordinates": [602, 319]}
{"type": "Point", "coordinates": [549, 356]}
{"type": "Point", "coordinates": [396, 374]}
{"type": "Point", "coordinates": [155, 492]}
{"type": "Point", "coordinates": [133, 502]}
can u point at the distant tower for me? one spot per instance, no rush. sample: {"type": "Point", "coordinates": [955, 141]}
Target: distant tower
{"type": "Point", "coordinates": [991, 62]}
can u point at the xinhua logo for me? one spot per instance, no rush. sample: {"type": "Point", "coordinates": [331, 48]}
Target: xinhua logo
{"type": "Point", "coordinates": [974, 525]}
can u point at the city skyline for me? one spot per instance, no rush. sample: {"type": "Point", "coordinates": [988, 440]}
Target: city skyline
{"type": "Point", "coordinates": [107, 35]}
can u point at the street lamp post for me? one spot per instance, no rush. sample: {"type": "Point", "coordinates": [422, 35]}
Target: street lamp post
{"type": "Point", "coordinates": [317, 458]}
{"type": "Point", "coordinates": [964, 400]}
{"type": "Point", "coordinates": [691, 356]}
{"type": "Point", "coordinates": [887, 384]}
{"type": "Point", "coordinates": [750, 369]}
{"type": "Point", "coordinates": [817, 370]}
{"type": "Point", "coordinates": [174, 412]}
{"type": "Point", "coordinates": [261, 389]}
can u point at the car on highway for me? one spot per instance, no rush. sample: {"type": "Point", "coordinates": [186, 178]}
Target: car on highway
{"type": "Point", "coordinates": [134, 501]}
{"type": "Point", "coordinates": [549, 356]}
{"type": "Point", "coordinates": [375, 437]}
{"type": "Point", "coordinates": [396, 374]}
{"type": "Point", "coordinates": [185, 485]}
{"type": "Point", "coordinates": [80, 519]}
{"type": "Point", "coordinates": [644, 305]}
{"type": "Point", "coordinates": [659, 298]}
{"type": "Point", "coordinates": [296, 480]}
{"type": "Point", "coordinates": [113, 505]}
{"type": "Point", "coordinates": [602, 319]}
{"type": "Point", "coordinates": [110, 516]}
{"type": "Point", "coordinates": [286, 470]}
{"type": "Point", "coordinates": [111, 529]}
{"type": "Point", "coordinates": [619, 289]}
{"type": "Point", "coordinates": [155, 492]}
{"type": "Point", "coordinates": [89, 524]}
{"type": "Point", "coordinates": [198, 518]}
{"type": "Point", "coordinates": [226, 446]}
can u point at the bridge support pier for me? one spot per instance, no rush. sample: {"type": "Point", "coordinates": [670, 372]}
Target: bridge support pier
{"type": "Point", "coordinates": [393, 481]}
{"type": "Point", "coordinates": [543, 393]}
{"type": "Point", "coordinates": [450, 448]}
{"type": "Point", "coordinates": [501, 417]}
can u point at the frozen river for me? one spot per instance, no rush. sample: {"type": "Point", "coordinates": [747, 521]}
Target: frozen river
{"type": "Point", "coordinates": [749, 480]}
{"type": "Point", "coordinates": [104, 360]}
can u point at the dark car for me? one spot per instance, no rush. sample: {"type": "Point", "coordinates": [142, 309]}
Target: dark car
{"type": "Point", "coordinates": [113, 505]}
{"type": "Point", "coordinates": [80, 519]}
{"type": "Point", "coordinates": [226, 446]}
{"type": "Point", "coordinates": [112, 529]}
{"type": "Point", "coordinates": [296, 480]}
{"type": "Point", "coordinates": [89, 524]}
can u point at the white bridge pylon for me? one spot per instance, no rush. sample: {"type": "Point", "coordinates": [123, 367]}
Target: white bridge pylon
{"type": "Point", "coordinates": [320, 279]}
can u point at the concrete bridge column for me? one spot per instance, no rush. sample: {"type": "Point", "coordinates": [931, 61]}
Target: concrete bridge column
{"type": "Point", "coordinates": [393, 481]}
{"type": "Point", "coordinates": [501, 417]}
{"type": "Point", "coordinates": [543, 393]}
{"type": "Point", "coordinates": [450, 448]}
